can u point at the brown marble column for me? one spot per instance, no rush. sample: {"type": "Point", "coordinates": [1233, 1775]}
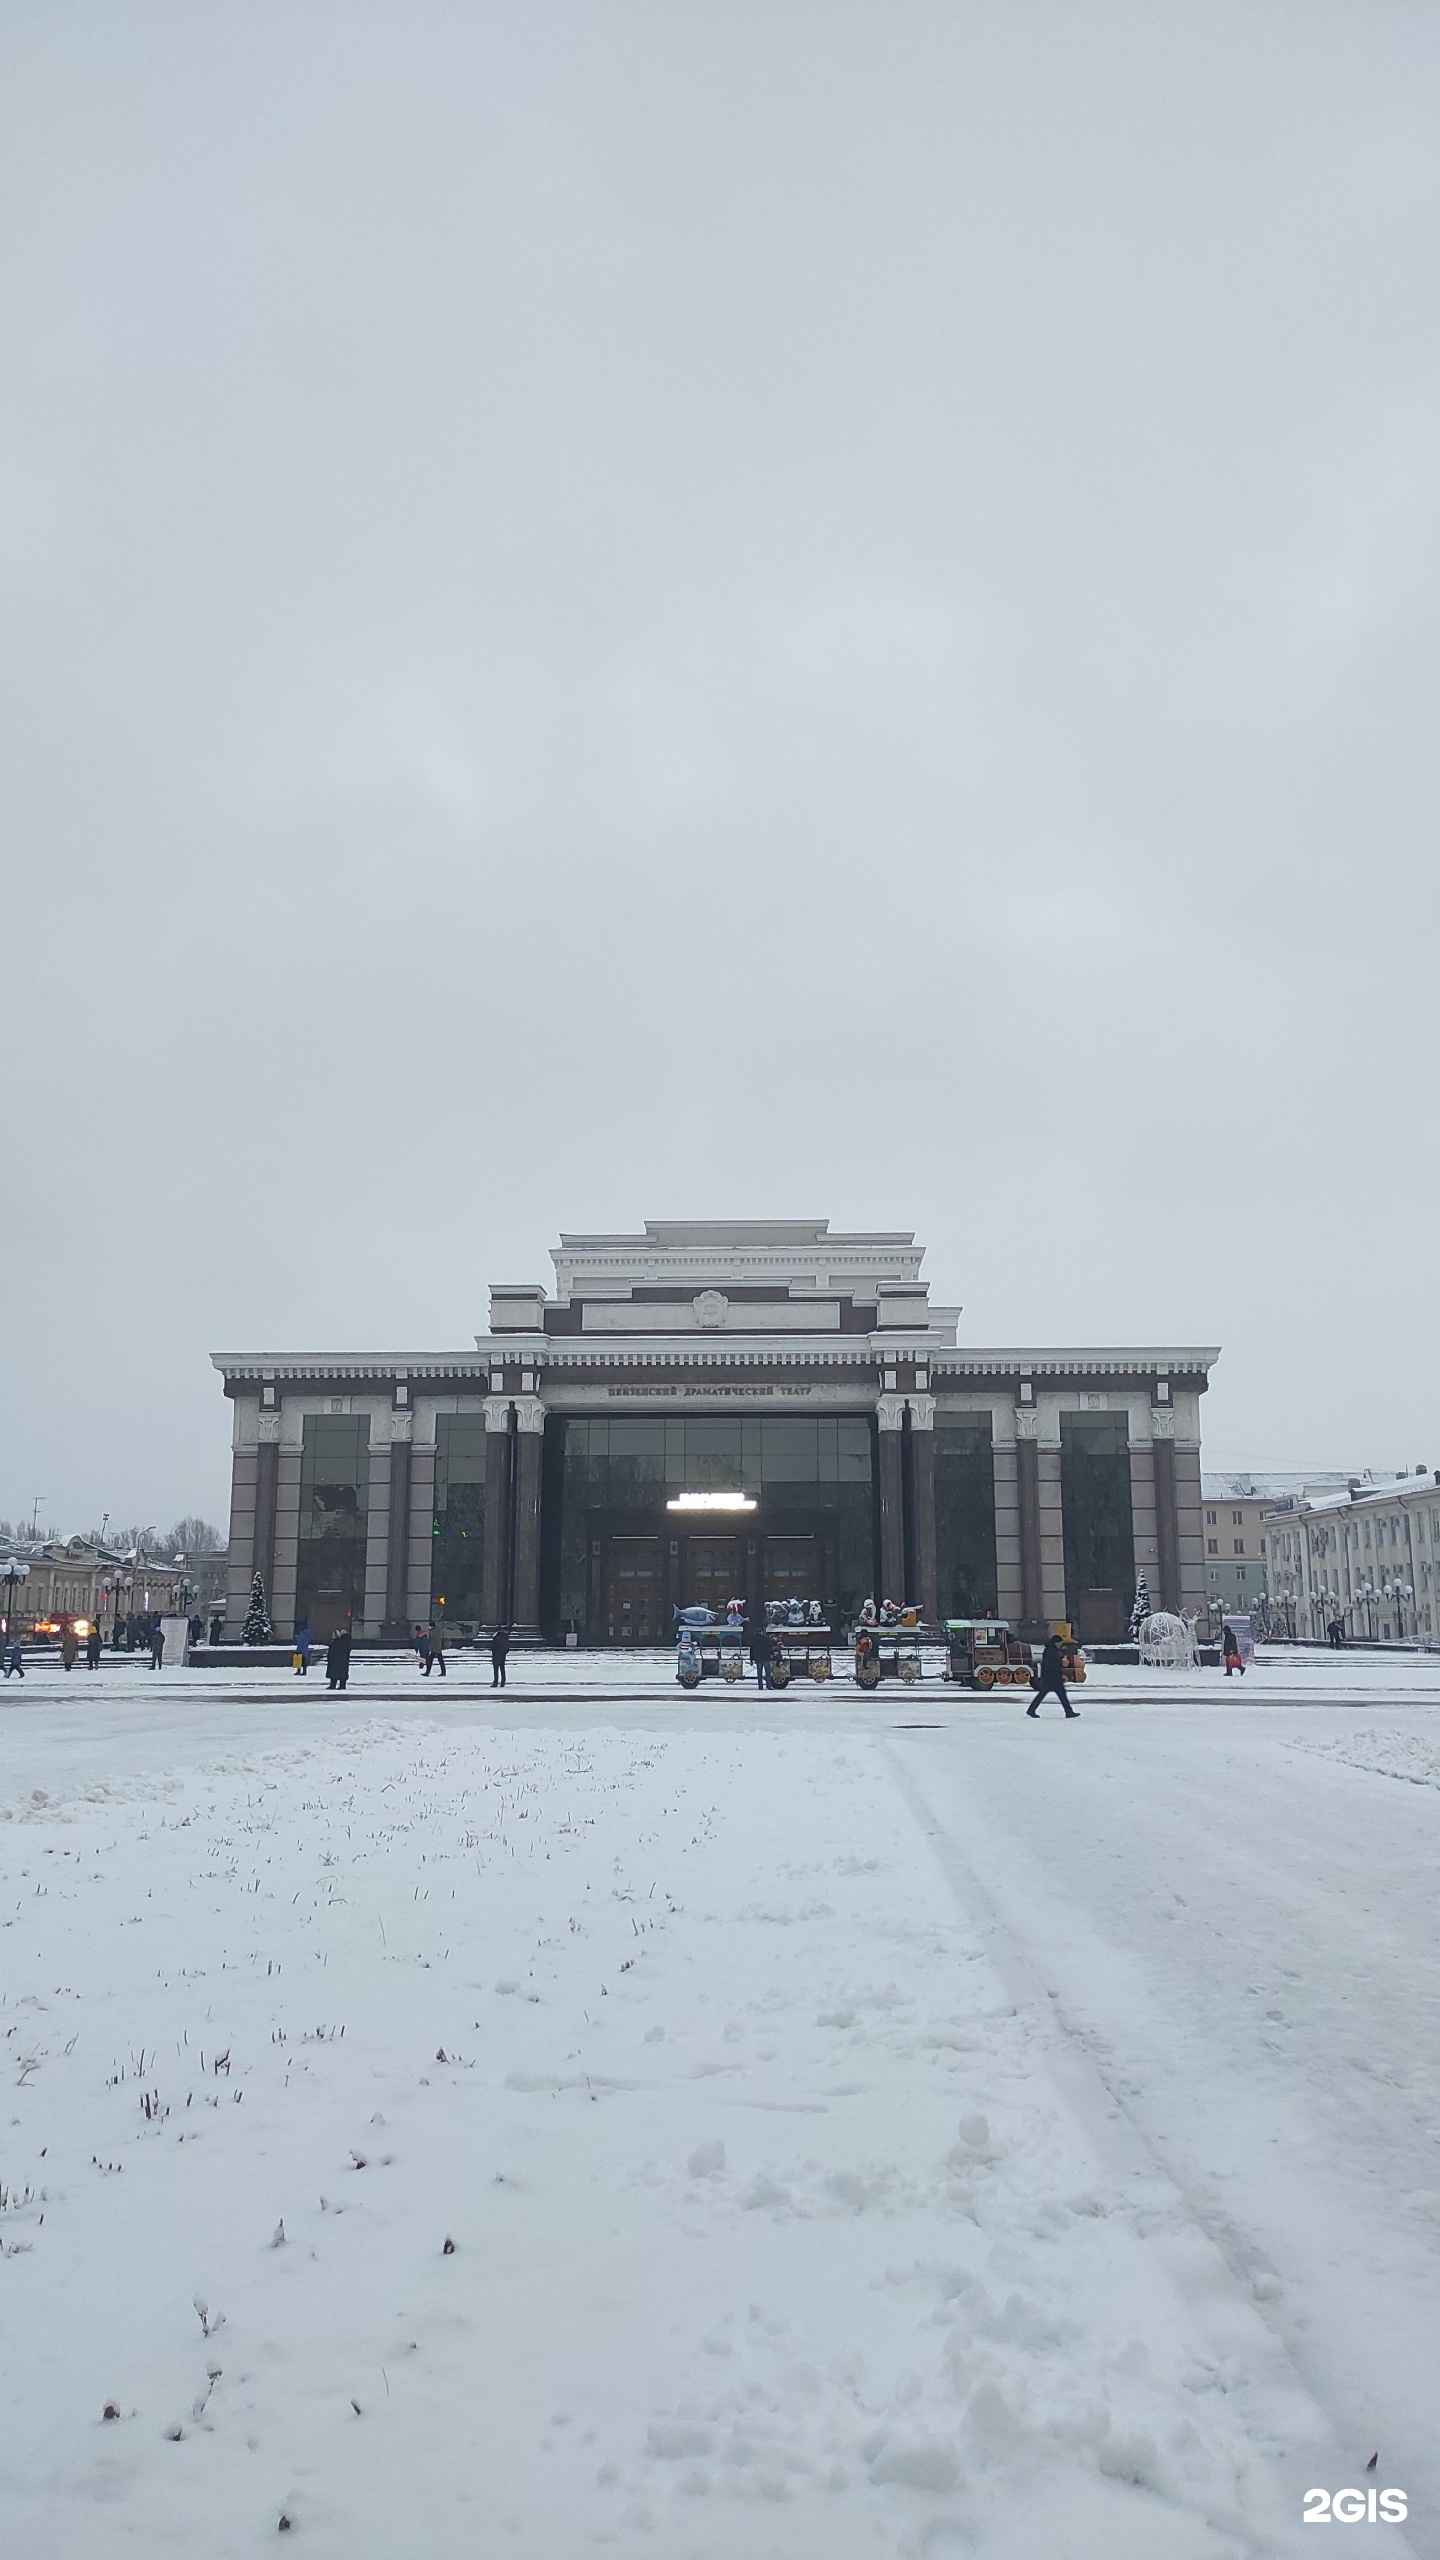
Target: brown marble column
{"type": "Point", "coordinates": [267, 1475]}
{"type": "Point", "coordinates": [1027, 1474]}
{"type": "Point", "coordinates": [924, 1584]}
{"type": "Point", "coordinates": [496, 1585]}
{"type": "Point", "coordinates": [890, 1414]}
{"type": "Point", "coordinates": [1167, 1527]}
{"type": "Point", "coordinates": [397, 1551]}
{"type": "Point", "coordinates": [529, 1444]}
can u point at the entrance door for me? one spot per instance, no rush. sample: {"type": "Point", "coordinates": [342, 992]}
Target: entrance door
{"type": "Point", "coordinates": [712, 1571]}
{"type": "Point", "coordinates": [632, 1591]}
{"type": "Point", "coordinates": [792, 1569]}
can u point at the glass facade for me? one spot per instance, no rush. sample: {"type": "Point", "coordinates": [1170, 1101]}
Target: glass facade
{"type": "Point", "coordinates": [965, 1519]}
{"type": "Point", "coordinates": [330, 1553]}
{"type": "Point", "coordinates": [457, 1563]}
{"type": "Point", "coordinates": [1098, 1523]}
{"type": "Point", "coordinates": [811, 1477]}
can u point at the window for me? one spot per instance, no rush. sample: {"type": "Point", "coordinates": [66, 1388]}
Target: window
{"type": "Point", "coordinates": [1212, 1546]}
{"type": "Point", "coordinates": [1210, 1518]}
{"type": "Point", "coordinates": [1239, 1519]}
{"type": "Point", "coordinates": [1239, 1573]}
{"type": "Point", "coordinates": [1239, 1546]}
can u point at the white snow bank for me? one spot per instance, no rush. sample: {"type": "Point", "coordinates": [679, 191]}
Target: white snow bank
{"type": "Point", "coordinates": [467, 2142]}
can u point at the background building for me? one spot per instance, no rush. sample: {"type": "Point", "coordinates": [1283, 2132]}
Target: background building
{"type": "Point", "coordinates": [1237, 1574]}
{"type": "Point", "coordinates": [575, 1468]}
{"type": "Point", "coordinates": [1367, 1552]}
{"type": "Point", "coordinates": [77, 1578]}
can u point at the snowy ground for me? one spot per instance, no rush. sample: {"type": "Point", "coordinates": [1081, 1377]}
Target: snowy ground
{"type": "Point", "coordinates": [861, 2127]}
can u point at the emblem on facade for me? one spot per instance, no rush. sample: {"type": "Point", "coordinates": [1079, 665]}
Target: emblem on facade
{"type": "Point", "coordinates": [711, 1308]}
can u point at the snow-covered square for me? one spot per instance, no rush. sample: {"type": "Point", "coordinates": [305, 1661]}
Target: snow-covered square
{"type": "Point", "coordinates": [591, 2119]}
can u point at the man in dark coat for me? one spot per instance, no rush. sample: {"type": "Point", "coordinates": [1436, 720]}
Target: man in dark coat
{"type": "Point", "coordinates": [92, 1649]}
{"type": "Point", "coordinates": [1052, 1678]}
{"type": "Point", "coordinates": [760, 1656]}
{"type": "Point", "coordinates": [499, 1647]}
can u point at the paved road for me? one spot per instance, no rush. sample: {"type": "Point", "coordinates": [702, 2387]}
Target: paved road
{"type": "Point", "coordinates": [1239, 1934]}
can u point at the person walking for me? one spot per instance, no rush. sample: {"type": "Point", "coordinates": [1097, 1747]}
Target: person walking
{"type": "Point", "coordinates": [92, 1650]}
{"type": "Point", "coordinates": [69, 1648]}
{"type": "Point", "coordinates": [342, 1658]}
{"type": "Point", "coordinates": [1336, 1633]}
{"type": "Point", "coordinates": [302, 1649]}
{"type": "Point", "coordinates": [435, 1652]}
{"type": "Point", "coordinates": [14, 1659]}
{"type": "Point", "coordinates": [499, 1647]}
{"type": "Point", "coordinates": [332, 1673]}
{"type": "Point", "coordinates": [760, 1656]}
{"type": "Point", "coordinates": [1052, 1678]}
{"type": "Point", "coordinates": [157, 1645]}
{"type": "Point", "coordinates": [422, 1648]}
{"type": "Point", "coordinates": [1230, 1650]}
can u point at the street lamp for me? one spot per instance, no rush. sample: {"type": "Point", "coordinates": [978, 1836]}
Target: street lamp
{"type": "Point", "coordinates": [1398, 1592]}
{"type": "Point", "coordinates": [15, 1573]}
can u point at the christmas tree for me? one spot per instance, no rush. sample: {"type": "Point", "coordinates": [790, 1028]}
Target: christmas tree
{"type": "Point", "coordinates": [256, 1629]}
{"type": "Point", "coordinates": [1141, 1610]}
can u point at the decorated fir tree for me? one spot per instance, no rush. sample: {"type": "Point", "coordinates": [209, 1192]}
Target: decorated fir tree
{"type": "Point", "coordinates": [1141, 1610]}
{"type": "Point", "coordinates": [256, 1629]}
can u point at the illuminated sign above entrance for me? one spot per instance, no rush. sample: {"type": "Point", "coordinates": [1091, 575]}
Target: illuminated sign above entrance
{"type": "Point", "coordinates": [710, 1502]}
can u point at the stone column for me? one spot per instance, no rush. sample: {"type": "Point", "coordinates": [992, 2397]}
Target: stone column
{"type": "Point", "coordinates": [529, 1444]}
{"type": "Point", "coordinates": [924, 1585]}
{"type": "Point", "coordinates": [420, 1544]}
{"type": "Point", "coordinates": [1142, 1516]}
{"type": "Point", "coordinates": [890, 1414]}
{"type": "Point", "coordinates": [267, 1468]}
{"type": "Point", "coordinates": [1189, 1523]}
{"type": "Point", "coordinates": [241, 1548]}
{"type": "Point", "coordinates": [497, 1512]}
{"type": "Point", "coordinates": [287, 1532]}
{"type": "Point", "coordinates": [1167, 1525]}
{"type": "Point", "coordinates": [1009, 1592]}
{"type": "Point", "coordinates": [397, 1545]}
{"type": "Point", "coordinates": [1027, 1486]}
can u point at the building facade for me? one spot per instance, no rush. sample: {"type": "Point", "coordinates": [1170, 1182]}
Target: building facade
{"type": "Point", "coordinates": [68, 1581]}
{"type": "Point", "coordinates": [1366, 1553]}
{"type": "Point", "coordinates": [1237, 1562]}
{"type": "Point", "coordinates": [710, 1408]}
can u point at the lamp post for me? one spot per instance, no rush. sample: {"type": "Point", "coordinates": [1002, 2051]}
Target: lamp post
{"type": "Point", "coordinates": [15, 1574]}
{"type": "Point", "coordinates": [1398, 1593]}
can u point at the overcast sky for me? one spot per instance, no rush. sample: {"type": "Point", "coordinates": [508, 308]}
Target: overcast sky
{"type": "Point", "coordinates": [715, 610]}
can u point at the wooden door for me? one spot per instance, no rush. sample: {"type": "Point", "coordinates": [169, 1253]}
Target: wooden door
{"type": "Point", "coordinates": [714, 1572]}
{"type": "Point", "coordinates": [792, 1569]}
{"type": "Point", "coordinates": [632, 1591]}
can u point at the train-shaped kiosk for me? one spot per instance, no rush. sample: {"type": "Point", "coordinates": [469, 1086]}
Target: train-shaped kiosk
{"type": "Point", "coordinates": [711, 1647]}
{"type": "Point", "coordinates": [891, 1644]}
{"type": "Point", "coordinates": [986, 1653]}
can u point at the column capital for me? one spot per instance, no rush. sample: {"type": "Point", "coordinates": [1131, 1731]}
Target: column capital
{"type": "Point", "coordinates": [529, 1413]}
{"type": "Point", "coordinates": [922, 1412]}
{"type": "Point", "coordinates": [497, 1413]}
{"type": "Point", "coordinates": [890, 1412]}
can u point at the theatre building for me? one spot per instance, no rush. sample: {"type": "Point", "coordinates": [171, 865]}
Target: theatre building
{"type": "Point", "coordinates": [710, 1408]}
